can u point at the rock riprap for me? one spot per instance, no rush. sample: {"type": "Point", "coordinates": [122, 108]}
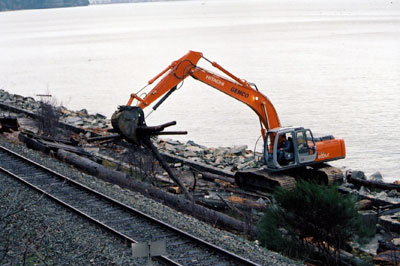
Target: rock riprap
{"type": "Point", "coordinates": [76, 118]}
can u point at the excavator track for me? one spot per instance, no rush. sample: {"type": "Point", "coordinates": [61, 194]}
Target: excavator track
{"type": "Point", "coordinates": [264, 179]}
{"type": "Point", "coordinates": [327, 174]}
{"type": "Point", "coordinates": [268, 180]}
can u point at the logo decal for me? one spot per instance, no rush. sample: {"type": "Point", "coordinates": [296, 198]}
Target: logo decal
{"type": "Point", "coordinates": [241, 93]}
{"type": "Point", "coordinates": [215, 80]}
{"type": "Point", "coordinates": [323, 155]}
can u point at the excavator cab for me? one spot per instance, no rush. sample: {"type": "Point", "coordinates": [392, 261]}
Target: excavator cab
{"type": "Point", "coordinates": [286, 148]}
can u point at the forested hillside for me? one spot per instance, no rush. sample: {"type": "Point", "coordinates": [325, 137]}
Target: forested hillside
{"type": "Point", "coordinates": [33, 4]}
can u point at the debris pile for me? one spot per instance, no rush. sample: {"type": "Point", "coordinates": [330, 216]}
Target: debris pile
{"type": "Point", "coordinates": [226, 158]}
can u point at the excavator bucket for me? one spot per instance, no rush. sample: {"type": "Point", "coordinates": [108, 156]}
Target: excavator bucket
{"type": "Point", "coordinates": [127, 121]}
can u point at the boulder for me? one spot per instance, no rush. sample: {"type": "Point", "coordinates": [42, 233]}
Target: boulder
{"type": "Point", "coordinates": [73, 120]}
{"type": "Point", "coordinates": [83, 111]}
{"type": "Point", "coordinates": [191, 143]}
{"type": "Point", "coordinates": [377, 177]}
{"type": "Point", "coordinates": [237, 149]}
{"type": "Point", "coordinates": [220, 151]}
{"type": "Point", "coordinates": [393, 193]}
{"type": "Point", "coordinates": [29, 99]}
{"type": "Point", "coordinates": [173, 142]}
{"type": "Point", "coordinates": [100, 116]}
{"type": "Point", "coordinates": [358, 174]}
{"type": "Point", "coordinates": [168, 147]}
{"type": "Point", "coordinates": [381, 195]}
{"type": "Point", "coordinates": [18, 98]}
{"type": "Point", "coordinates": [194, 149]}
{"type": "Point", "coordinates": [363, 191]}
{"type": "Point", "coordinates": [396, 242]}
{"type": "Point", "coordinates": [187, 154]}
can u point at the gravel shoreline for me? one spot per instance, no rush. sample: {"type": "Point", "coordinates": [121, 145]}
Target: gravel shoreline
{"type": "Point", "coordinates": [218, 237]}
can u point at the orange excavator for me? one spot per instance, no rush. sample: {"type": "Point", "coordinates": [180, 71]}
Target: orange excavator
{"type": "Point", "coordinates": [285, 148]}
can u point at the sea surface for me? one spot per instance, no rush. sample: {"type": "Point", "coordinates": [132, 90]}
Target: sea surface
{"type": "Point", "coordinates": [332, 66]}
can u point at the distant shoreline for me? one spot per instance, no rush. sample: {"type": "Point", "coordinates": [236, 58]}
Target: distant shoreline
{"type": "Point", "coordinates": [10, 5]}
{"type": "Point", "coordinates": [106, 2]}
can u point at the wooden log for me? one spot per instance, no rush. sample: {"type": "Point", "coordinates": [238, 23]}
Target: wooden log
{"type": "Point", "coordinates": [176, 202]}
{"type": "Point", "coordinates": [222, 204]}
{"type": "Point", "coordinates": [212, 177]}
{"type": "Point", "coordinates": [102, 138]}
{"type": "Point", "coordinates": [196, 165]}
{"type": "Point", "coordinates": [33, 144]}
{"type": "Point", "coordinates": [46, 138]}
{"type": "Point", "coordinates": [56, 146]}
{"type": "Point", "coordinates": [166, 167]}
{"type": "Point", "coordinates": [373, 184]}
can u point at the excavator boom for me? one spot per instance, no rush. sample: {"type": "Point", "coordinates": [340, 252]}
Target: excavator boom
{"type": "Point", "coordinates": [234, 87]}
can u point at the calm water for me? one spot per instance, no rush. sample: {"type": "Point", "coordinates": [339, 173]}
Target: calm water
{"type": "Point", "coordinates": [332, 66]}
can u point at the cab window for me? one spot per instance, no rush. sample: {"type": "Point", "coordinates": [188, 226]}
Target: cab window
{"type": "Point", "coordinates": [270, 142]}
{"type": "Point", "coordinates": [301, 143]}
{"type": "Point", "coordinates": [310, 140]}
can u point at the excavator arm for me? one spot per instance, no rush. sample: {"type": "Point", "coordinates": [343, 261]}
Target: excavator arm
{"type": "Point", "coordinates": [239, 89]}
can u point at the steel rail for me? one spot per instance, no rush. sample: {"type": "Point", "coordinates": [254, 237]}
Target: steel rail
{"type": "Point", "coordinates": [237, 260]}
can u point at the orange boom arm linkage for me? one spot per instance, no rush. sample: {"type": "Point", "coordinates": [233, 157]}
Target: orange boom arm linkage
{"type": "Point", "coordinates": [236, 88]}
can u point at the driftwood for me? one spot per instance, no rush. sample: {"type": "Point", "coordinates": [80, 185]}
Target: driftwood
{"type": "Point", "coordinates": [196, 165]}
{"type": "Point", "coordinates": [33, 144]}
{"type": "Point", "coordinates": [45, 146]}
{"type": "Point", "coordinates": [212, 177]}
{"type": "Point", "coordinates": [56, 146]}
{"type": "Point", "coordinates": [166, 167]}
{"type": "Point", "coordinates": [373, 184]}
{"type": "Point", "coordinates": [103, 138]}
{"type": "Point", "coordinates": [53, 139]}
{"type": "Point", "coordinates": [223, 204]}
{"type": "Point", "coordinates": [173, 201]}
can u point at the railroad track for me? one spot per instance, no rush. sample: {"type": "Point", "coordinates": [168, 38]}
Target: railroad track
{"type": "Point", "coordinates": [129, 224]}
